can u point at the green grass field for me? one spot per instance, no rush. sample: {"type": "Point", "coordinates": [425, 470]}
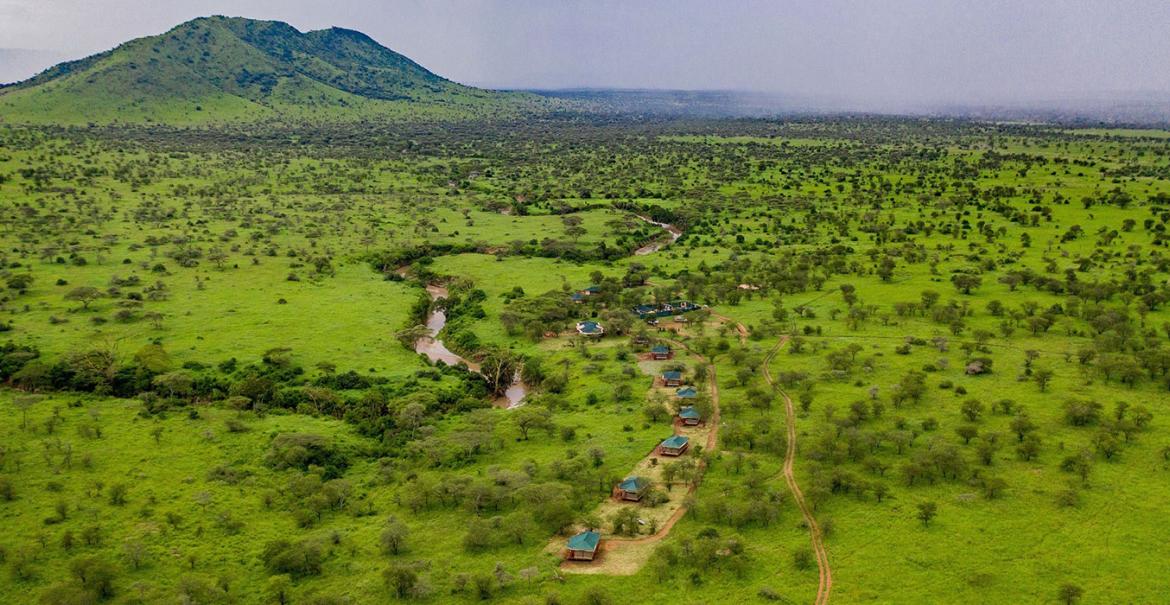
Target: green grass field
{"type": "Point", "coordinates": [329, 463]}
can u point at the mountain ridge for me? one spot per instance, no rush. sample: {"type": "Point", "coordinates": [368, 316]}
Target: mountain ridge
{"type": "Point", "coordinates": [229, 69]}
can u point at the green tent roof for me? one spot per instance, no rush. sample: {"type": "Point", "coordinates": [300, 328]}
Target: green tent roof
{"type": "Point", "coordinates": [676, 442]}
{"type": "Point", "coordinates": [686, 393]}
{"type": "Point", "coordinates": [689, 412]}
{"type": "Point", "coordinates": [586, 540]}
{"type": "Point", "coordinates": [633, 484]}
{"type": "Point", "coordinates": [672, 375]}
{"type": "Point", "coordinates": [589, 327]}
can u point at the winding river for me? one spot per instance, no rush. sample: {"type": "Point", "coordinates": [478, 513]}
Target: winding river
{"type": "Point", "coordinates": [436, 351]}
{"type": "Point", "coordinates": [658, 244]}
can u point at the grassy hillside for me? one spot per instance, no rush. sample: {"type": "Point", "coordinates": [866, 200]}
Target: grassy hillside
{"type": "Point", "coordinates": [219, 69]}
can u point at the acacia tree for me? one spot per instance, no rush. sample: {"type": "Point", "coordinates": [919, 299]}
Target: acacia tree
{"type": "Point", "coordinates": [394, 536]}
{"type": "Point", "coordinates": [84, 295]}
{"type": "Point", "coordinates": [911, 388]}
{"type": "Point", "coordinates": [176, 384]}
{"type": "Point", "coordinates": [972, 409]}
{"type": "Point", "coordinates": [217, 256]}
{"type": "Point", "coordinates": [965, 282]}
{"type": "Point", "coordinates": [155, 318]}
{"type": "Point", "coordinates": [20, 282]}
{"type": "Point", "coordinates": [499, 368]}
{"type": "Point", "coordinates": [1071, 594]}
{"type": "Point", "coordinates": [927, 511]}
{"type": "Point", "coordinates": [411, 417]}
{"type": "Point", "coordinates": [1042, 376]}
{"type": "Point", "coordinates": [532, 417]}
{"type": "Point", "coordinates": [280, 589]}
{"type": "Point", "coordinates": [401, 579]}
{"type": "Point", "coordinates": [96, 576]}
{"type": "Point", "coordinates": [409, 336]}
{"type": "Point", "coordinates": [24, 403]}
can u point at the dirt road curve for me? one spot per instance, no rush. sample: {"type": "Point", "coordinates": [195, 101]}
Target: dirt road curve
{"type": "Point", "coordinates": [826, 574]}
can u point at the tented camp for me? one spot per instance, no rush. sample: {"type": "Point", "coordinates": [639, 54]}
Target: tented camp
{"type": "Point", "coordinates": [633, 488]}
{"type": "Point", "coordinates": [689, 415]}
{"type": "Point", "coordinates": [583, 546]}
{"type": "Point", "coordinates": [675, 446]}
{"type": "Point", "coordinates": [590, 328]}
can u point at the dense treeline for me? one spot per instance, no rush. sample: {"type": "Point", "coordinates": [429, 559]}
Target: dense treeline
{"type": "Point", "coordinates": [274, 383]}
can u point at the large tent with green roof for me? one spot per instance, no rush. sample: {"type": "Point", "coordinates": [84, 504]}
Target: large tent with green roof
{"type": "Point", "coordinates": [674, 446]}
{"type": "Point", "coordinates": [583, 546]}
{"type": "Point", "coordinates": [633, 488]}
{"type": "Point", "coordinates": [672, 378]}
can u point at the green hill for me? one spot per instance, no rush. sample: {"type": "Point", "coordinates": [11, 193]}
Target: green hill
{"type": "Point", "coordinates": [220, 69]}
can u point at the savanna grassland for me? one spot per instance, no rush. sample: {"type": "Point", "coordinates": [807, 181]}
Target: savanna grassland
{"type": "Point", "coordinates": [211, 393]}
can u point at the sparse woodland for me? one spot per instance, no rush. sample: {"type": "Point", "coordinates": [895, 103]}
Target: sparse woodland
{"type": "Point", "coordinates": [211, 393]}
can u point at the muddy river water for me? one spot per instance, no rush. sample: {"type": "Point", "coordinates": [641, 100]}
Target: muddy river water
{"type": "Point", "coordinates": [435, 350]}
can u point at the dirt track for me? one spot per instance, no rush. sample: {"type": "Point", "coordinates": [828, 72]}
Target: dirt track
{"type": "Point", "coordinates": [826, 574]}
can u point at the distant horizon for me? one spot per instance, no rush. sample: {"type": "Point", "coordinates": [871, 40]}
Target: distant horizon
{"type": "Point", "coordinates": [46, 59]}
{"type": "Point", "coordinates": [43, 63]}
{"type": "Point", "coordinates": [1076, 96]}
{"type": "Point", "coordinates": [892, 54]}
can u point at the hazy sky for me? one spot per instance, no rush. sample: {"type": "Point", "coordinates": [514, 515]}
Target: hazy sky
{"type": "Point", "coordinates": [886, 51]}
